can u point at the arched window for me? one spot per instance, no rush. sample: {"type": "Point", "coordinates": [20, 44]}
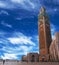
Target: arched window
{"type": "Point", "coordinates": [33, 58]}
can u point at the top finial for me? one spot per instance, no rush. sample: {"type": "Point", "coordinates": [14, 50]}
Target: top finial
{"type": "Point", "coordinates": [42, 10]}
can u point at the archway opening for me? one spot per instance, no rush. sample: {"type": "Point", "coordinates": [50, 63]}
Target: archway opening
{"type": "Point", "coordinates": [33, 58]}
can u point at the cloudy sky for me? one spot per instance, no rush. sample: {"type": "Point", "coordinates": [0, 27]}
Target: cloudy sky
{"type": "Point", "coordinates": [19, 25]}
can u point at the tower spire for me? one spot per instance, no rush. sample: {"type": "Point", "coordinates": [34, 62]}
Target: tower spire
{"type": "Point", "coordinates": [43, 10]}
{"type": "Point", "coordinates": [44, 35]}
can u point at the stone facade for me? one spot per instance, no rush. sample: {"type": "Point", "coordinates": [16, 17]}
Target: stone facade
{"type": "Point", "coordinates": [44, 35]}
{"type": "Point", "coordinates": [24, 58]}
{"type": "Point", "coordinates": [31, 57]}
{"type": "Point", "coordinates": [54, 48]}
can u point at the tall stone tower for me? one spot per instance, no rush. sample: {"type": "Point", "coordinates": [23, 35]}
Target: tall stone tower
{"type": "Point", "coordinates": [44, 35]}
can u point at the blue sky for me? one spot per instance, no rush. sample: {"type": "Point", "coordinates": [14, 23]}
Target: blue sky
{"type": "Point", "coordinates": [19, 25]}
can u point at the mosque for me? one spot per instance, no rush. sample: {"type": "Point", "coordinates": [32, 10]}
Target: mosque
{"type": "Point", "coordinates": [47, 52]}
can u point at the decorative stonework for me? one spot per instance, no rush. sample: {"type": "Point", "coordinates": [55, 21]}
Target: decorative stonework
{"type": "Point", "coordinates": [44, 34]}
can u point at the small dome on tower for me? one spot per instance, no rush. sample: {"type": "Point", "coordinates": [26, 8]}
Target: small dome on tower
{"type": "Point", "coordinates": [42, 10]}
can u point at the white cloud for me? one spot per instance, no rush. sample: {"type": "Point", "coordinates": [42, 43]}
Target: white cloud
{"type": "Point", "coordinates": [6, 4]}
{"type": "Point", "coordinates": [17, 38]}
{"type": "Point", "coordinates": [55, 9]}
{"type": "Point", "coordinates": [6, 24]}
{"type": "Point", "coordinates": [18, 1]}
{"type": "Point", "coordinates": [23, 3]}
{"type": "Point", "coordinates": [24, 45]}
{"type": "Point", "coordinates": [1, 41]}
{"type": "Point", "coordinates": [26, 48]}
{"type": "Point", "coordinates": [13, 53]}
{"type": "Point", "coordinates": [21, 40]}
{"type": "Point", "coordinates": [4, 12]}
{"type": "Point", "coordinates": [31, 5]}
{"type": "Point", "coordinates": [9, 56]}
{"type": "Point", "coordinates": [37, 37]}
{"type": "Point", "coordinates": [18, 18]}
{"type": "Point", "coordinates": [2, 4]}
{"type": "Point", "coordinates": [20, 50]}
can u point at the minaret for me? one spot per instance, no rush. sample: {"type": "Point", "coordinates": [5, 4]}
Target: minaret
{"type": "Point", "coordinates": [44, 35]}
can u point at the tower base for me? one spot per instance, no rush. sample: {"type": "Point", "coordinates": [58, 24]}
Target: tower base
{"type": "Point", "coordinates": [44, 58]}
